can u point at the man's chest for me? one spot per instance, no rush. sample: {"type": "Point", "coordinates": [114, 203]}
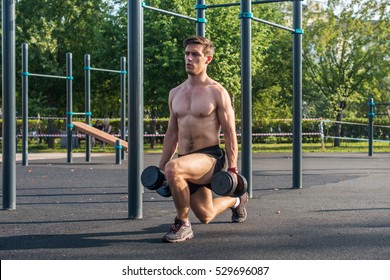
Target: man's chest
{"type": "Point", "coordinates": [197, 105]}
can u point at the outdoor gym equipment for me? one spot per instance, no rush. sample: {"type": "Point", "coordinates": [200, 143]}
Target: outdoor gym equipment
{"type": "Point", "coordinates": [371, 115]}
{"type": "Point", "coordinates": [123, 73]}
{"type": "Point", "coordinates": [25, 76]}
{"type": "Point", "coordinates": [102, 136]}
{"type": "Point", "coordinates": [135, 55]}
{"type": "Point", "coordinates": [135, 79]}
{"type": "Point", "coordinates": [69, 101]}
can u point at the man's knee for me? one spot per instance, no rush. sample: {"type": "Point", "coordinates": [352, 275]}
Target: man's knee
{"type": "Point", "coordinates": [171, 170]}
{"type": "Point", "coordinates": [205, 219]}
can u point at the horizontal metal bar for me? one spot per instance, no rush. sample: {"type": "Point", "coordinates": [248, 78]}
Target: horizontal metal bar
{"type": "Point", "coordinates": [273, 24]}
{"type": "Point", "coordinates": [48, 76]}
{"type": "Point", "coordinates": [331, 121]}
{"type": "Point", "coordinates": [106, 70]}
{"type": "Point", "coordinates": [271, 1]}
{"type": "Point", "coordinates": [238, 4]}
{"type": "Point", "coordinates": [169, 13]}
{"type": "Point", "coordinates": [222, 5]}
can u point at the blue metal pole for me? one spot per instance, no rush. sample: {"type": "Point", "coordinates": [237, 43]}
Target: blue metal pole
{"type": "Point", "coordinates": [9, 105]}
{"type": "Point", "coordinates": [136, 107]}
{"type": "Point", "coordinates": [246, 92]}
{"type": "Point", "coordinates": [69, 110]}
{"type": "Point", "coordinates": [371, 115]}
{"type": "Point", "coordinates": [87, 88]}
{"type": "Point", "coordinates": [25, 104]}
{"type": "Point", "coordinates": [118, 149]}
{"type": "Point", "coordinates": [123, 103]}
{"type": "Point", "coordinates": [201, 17]}
{"type": "Point", "coordinates": [297, 95]}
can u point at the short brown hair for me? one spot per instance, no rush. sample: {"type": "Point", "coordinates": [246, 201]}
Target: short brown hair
{"type": "Point", "coordinates": [208, 46]}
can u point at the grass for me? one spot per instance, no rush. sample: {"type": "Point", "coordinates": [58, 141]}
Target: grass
{"type": "Point", "coordinates": [350, 147]}
{"type": "Point", "coordinates": [346, 147]}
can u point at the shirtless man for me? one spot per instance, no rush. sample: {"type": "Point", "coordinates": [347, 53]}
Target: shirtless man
{"type": "Point", "coordinates": [199, 108]}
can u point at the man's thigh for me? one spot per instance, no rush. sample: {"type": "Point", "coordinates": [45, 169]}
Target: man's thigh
{"type": "Point", "coordinates": [196, 168]}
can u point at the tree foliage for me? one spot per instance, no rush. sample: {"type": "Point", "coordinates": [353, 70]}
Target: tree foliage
{"type": "Point", "coordinates": [346, 56]}
{"type": "Point", "coordinates": [56, 28]}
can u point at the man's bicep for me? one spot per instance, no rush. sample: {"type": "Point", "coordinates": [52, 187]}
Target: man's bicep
{"type": "Point", "coordinates": [172, 122]}
{"type": "Point", "coordinates": [226, 112]}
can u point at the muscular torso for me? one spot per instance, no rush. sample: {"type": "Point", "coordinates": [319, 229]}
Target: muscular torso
{"type": "Point", "coordinates": [195, 109]}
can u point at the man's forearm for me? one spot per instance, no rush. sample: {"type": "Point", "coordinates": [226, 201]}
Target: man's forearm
{"type": "Point", "coordinates": [231, 147]}
{"type": "Point", "coordinates": [169, 149]}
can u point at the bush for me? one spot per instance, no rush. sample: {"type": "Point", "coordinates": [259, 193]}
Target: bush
{"type": "Point", "coordinates": [352, 128]}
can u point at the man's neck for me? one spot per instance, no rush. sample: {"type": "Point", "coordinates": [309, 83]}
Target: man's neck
{"type": "Point", "coordinates": [197, 80]}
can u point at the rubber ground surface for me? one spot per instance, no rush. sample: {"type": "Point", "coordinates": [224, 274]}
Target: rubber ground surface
{"type": "Point", "coordinates": [80, 211]}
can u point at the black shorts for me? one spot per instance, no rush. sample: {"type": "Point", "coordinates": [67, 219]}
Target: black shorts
{"type": "Point", "coordinates": [217, 153]}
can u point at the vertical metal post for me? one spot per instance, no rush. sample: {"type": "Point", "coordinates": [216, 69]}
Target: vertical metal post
{"type": "Point", "coordinates": [201, 16]}
{"type": "Point", "coordinates": [135, 93]}
{"type": "Point", "coordinates": [371, 115]}
{"type": "Point", "coordinates": [322, 134]}
{"type": "Point", "coordinates": [69, 110]}
{"type": "Point", "coordinates": [87, 88]}
{"type": "Point", "coordinates": [25, 104]}
{"type": "Point", "coordinates": [246, 92]}
{"type": "Point", "coordinates": [118, 148]}
{"type": "Point", "coordinates": [297, 95]}
{"type": "Point", "coordinates": [9, 105]}
{"type": "Point", "coordinates": [123, 103]}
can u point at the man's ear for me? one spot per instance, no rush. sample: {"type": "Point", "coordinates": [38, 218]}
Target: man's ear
{"type": "Point", "coordinates": [209, 59]}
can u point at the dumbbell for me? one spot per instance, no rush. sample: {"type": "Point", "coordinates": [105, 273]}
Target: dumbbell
{"type": "Point", "coordinates": [153, 178]}
{"type": "Point", "coordinates": [224, 184]}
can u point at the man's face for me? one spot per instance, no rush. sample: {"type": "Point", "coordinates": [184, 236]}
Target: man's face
{"type": "Point", "coordinates": [195, 60]}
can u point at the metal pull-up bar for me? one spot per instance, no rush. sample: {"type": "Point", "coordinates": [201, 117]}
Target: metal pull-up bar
{"type": "Point", "coordinates": [87, 89]}
{"type": "Point", "coordinates": [250, 15]}
{"type": "Point", "coordinates": [167, 12]}
{"type": "Point", "coordinates": [274, 24]}
{"type": "Point", "coordinates": [239, 3]}
{"type": "Point", "coordinates": [25, 76]}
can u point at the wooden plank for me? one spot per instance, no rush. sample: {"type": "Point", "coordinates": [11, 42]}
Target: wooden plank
{"type": "Point", "coordinates": [99, 134]}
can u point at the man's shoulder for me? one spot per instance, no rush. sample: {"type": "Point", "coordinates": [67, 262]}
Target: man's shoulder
{"type": "Point", "coordinates": [179, 87]}
{"type": "Point", "coordinates": [216, 87]}
{"type": "Point", "coordinates": [176, 89]}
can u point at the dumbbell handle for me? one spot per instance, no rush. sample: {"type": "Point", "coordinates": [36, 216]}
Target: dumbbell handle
{"type": "Point", "coordinates": [233, 169]}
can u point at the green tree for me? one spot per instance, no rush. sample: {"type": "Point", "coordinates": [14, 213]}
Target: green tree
{"type": "Point", "coordinates": [346, 55]}
{"type": "Point", "coordinates": [56, 28]}
{"type": "Point", "coordinates": [111, 45]}
{"type": "Point", "coordinates": [272, 84]}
